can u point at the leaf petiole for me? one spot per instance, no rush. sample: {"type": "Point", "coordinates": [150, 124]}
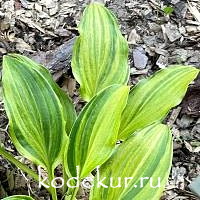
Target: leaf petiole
{"type": "Point", "coordinates": [20, 165]}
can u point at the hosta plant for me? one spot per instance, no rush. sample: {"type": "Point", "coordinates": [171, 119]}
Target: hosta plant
{"type": "Point", "coordinates": [118, 136]}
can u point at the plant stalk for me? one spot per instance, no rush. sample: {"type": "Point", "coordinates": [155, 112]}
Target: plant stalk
{"type": "Point", "coordinates": [75, 193]}
{"type": "Point", "coordinates": [52, 189]}
{"type": "Point", "coordinates": [20, 165]}
{"type": "Point", "coordinates": [65, 177]}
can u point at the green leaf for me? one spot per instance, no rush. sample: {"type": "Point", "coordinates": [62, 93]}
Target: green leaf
{"type": "Point", "coordinates": [151, 99]}
{"type": "Point", "coordinates": [69, 197]}
{"type": "Point", "coordinates": [94, 133]}
{"type": "Point", "coordinates": [67, 105]}
{"type": "Point", "coordinates": [168, 10]}
{"type": "Point", "coordinates": [36, 110]}
{"type": "Point", "coordinates": [148, 153]}
{"type": "Point", "coordinates": [100, 53]}
{"type": "Point", "coordinates": [68, 108]}
{"type": "Point", "coordinates": [18, 197]}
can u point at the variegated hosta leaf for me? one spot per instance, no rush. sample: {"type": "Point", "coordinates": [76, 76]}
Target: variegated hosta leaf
{"type": "Point", "coordinates": [18, 197]}
{"type": "Point", "coordinates": [146, 154]}
{"type": "Point", "coordinates": [36, 109]}
{"type": "Point", "coordinates": [100, 52]}
{"type": "Point", "coordinates": [68, 108]}
{"type": "Point", "coordinates": [151, 99]}
{"type": "Point", "coordinates": [95, 131]}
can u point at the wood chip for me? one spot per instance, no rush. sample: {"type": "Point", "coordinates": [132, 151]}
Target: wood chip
{"type": "Point", "coordinates": [195, 12]}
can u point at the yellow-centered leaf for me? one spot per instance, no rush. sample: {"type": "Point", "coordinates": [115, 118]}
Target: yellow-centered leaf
{"type": "Point", "coordinates": [95, 131]}
{"type": "Point", "coordinates": [137, 167]}
{"type": "Point", "coordinates": [39, 112]}
{"type": "Point", "coordinates": [151, 99]}
{"type": "Point", "coordinates": [100, 53]}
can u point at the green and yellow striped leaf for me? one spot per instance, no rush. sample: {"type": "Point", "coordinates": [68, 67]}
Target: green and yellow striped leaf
{"type": "Point", "coordinates": [68, 107]}
{"type": "Point", "coordinates": [151, 99]}
{"type": "Point", "coordinates": [95, 131]}
{"type": "Point", "coordinates": [18, 197]}
{"type": "Point", "coordinates": [100, 53]}
{"type": "Point", "coordinates": [37, 109]}
{"type": "Point", "coordinates": [146, 154]}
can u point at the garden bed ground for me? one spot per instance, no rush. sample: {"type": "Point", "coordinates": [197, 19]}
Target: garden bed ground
{"type": "Point", "coordinates": [45, 31]}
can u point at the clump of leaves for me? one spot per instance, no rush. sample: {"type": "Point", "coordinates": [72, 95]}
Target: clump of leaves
{"type": "Point", "coordinates": [45, 128]}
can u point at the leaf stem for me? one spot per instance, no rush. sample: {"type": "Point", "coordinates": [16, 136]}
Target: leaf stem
{"type": "Point", "coordinates": [20, 165]}
{"type": "Point", "coordinates": [65, 177]}
{"type": "Point", "coordinates": [75, 193]}
{"type": "Point", "coordinates": [52, 189]}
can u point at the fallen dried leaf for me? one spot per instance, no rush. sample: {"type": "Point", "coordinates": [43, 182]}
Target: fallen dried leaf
{"type": "Point", "coordinates": [188, 146]}
{"type": "Point", "coordinates": [22, 46]}
{"type": "Point", "coordinates": [195, 12]}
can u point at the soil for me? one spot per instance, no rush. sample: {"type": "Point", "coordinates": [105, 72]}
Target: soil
{"type": "Point", "coordinates": [45, 31]}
